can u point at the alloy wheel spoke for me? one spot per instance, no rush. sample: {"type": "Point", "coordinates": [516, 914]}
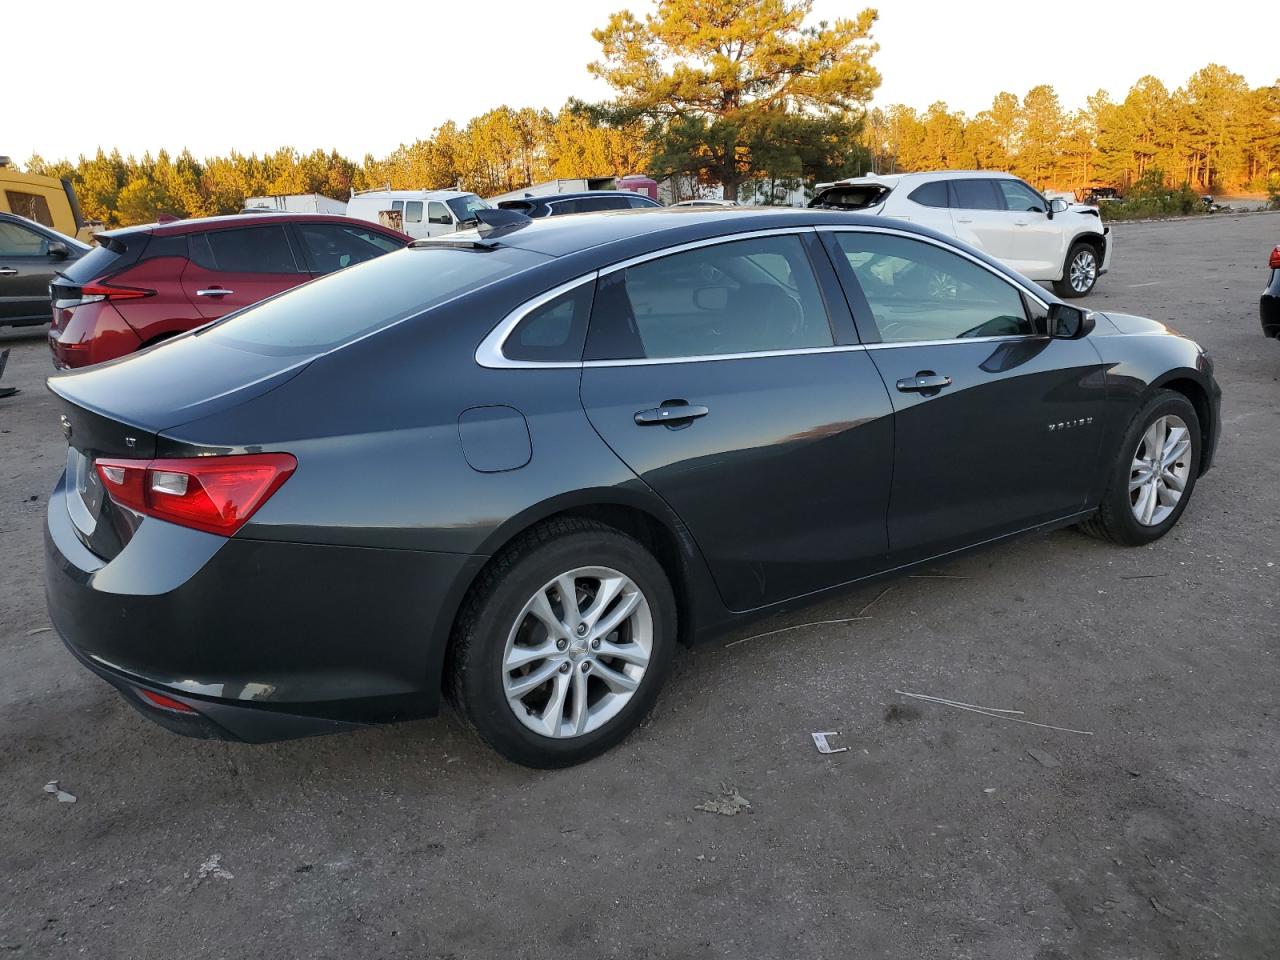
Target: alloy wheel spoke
{"type": "Point", "coordinates": [610, 587]}
{"type": "Point", "coordinates": [567, 587]}
{"type": "Point", "coordinates": [625, 608]}
{"type": "Point", "coordinates": [1173, 481]}
{"type": "Point", "coordinates": [532, 680]}
{"type": "Point", "coordinates": [520, 656]}
{"type": "Point", "coordinates": [1140, 475]}
{"type": "Point", "coordinates": [626, 652]}
{"type": "Point", "coordinates": [1153, 439]}
{"type": "Point", "coordinates": [541, 610]}
{"type": "Point", "coordinates": [553, 714]}
{"type": "Point", "coordinates": [1176, 446]}
{"type": "Point", "coordinates": [578, 719]}
{"type": "Point", "coordinates": [616, 680]}
{"type": "Point", "coordinates": [1149, 500]}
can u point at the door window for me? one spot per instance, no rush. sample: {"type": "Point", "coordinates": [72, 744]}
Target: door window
{"type": "Point", "coordinates": [744, 296]}
{"type": "Point", "coordinates": [920, 291]}
{"type": "Point", "coordinates": [438, 213]}
{"type": "Point", "coordinates": [413, 211]}
{"type": "Point", "coordinates": [18, 241]}
{"type": "Point", "coordinates": [1019, 197]}
{"type": "Point", "coordinates": [250, 250]}
{"type": "Point", "coordinates": [332, 247]}
{"type": "Point", "coordinates": [978, 194]}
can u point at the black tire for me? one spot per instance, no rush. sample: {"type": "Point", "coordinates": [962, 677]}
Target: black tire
{"type": "Point", "coordinates": [1115, 520]}
{"type": "Point", "coordinates": [475, 676]}
{"type": "Point", "coordinates": [1063, 287]}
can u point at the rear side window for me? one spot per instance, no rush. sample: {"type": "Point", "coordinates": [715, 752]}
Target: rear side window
{"type": "Point", "coordinates": [333, 310]}
{"type": "Point", "coordinates": [930, 194]}
{"type": "Point", "coordinates": [29, 205]}
{"type": "Point", "coordinates": [554, 332]}
{"type": "Point", "coordinates": [744, 296]}
{"type": "Point", "coordinates": [332, 246]}
{"type": "Point", "coordinates": [976, 195]}
{"type": "Point", "coordinates": [248, 250]}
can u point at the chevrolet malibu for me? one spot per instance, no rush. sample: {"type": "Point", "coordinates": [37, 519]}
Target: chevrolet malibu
{"type": "Point", "coordinates": [519, 465]}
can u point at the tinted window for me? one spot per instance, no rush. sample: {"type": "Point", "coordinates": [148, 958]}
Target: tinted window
{"type": "Point", "coordinates": [437, 212]}
{"type": "Point", "coordinates": [637, 202]}
{"type": "Point", "coordinates": [553, 333]}
{"type": "Point", "coordinates": [342, 306]}
{"type": "Point", "coordinates": [588, 204]}
{"type": "Point", "coordinates": [332, 246]}
{"type": "Point", "coordinates": [930, 194]}
{"type": "Point", "coordinates": [413, 211]}
{"type": "Point", "coordinates": [919, 291]}
{"type": "Point", "coordinates": [250, 250]}
{"type": "Point", "coordinates": [745, 296]}
{"type": "Point", "coordinates": [1018, 196]}
{"type": "Point", "coordinates": [29, 205]}
{"type": "Point", "coordinates": [18, 241]}
{"type": "Point", "coordinates": [976, 195]}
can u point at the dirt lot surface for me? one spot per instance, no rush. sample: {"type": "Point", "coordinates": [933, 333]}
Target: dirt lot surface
{"type": "Point", "coordinates": [939, 833]}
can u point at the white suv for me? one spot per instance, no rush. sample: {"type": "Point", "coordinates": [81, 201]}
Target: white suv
{"type": "Point", "coordinates": [997, 213]}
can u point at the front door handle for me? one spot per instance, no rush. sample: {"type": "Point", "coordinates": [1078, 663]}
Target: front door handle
{"type": "Point", "coordinates": [964, 219]}
{"type": "Point", "coordinates": [8, 272]}
{"type": "Point", "coordinates": [673, 413]}
{"type": "Point", "coordinates": [216, 292]}
{"type": "Point", "coordinates": [926, 381]}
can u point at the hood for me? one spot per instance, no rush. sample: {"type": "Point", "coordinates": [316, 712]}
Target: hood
{"type": "Point", "coordinates": [1127, 323]}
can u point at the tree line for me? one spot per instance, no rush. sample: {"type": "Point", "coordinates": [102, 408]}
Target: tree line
{"type": "Point", "coordinates": [725, 92]}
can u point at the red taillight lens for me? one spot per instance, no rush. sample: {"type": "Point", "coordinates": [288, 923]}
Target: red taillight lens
{"type": "Point", "coordinates": [165, 703]}
{"type": "Point", "coordinates": [1274, 262]}
{"type": "Point", "coordinates": [67, 297]}
{"type": "Point", "coordinates": [213, 494]}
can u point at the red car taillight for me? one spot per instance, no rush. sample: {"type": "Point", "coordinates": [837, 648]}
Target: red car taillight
{"type": "Point", "coordinates": [213, 494]}
{"type": "Point", "coordinates": [67, 297]}
{"type": "Point", "coordinates": [1274, 262]}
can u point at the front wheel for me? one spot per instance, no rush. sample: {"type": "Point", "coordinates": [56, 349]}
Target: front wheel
{"type": "Point", "coordinates": [563, 644]}
{"type": "Point", "coordinates": [1153, 473]}
{"type": "Point", "coordinates": [1080, 272]}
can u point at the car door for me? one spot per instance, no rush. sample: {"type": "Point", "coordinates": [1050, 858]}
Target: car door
{"type": "Point", "coordinates": [979, 217]}
{"type": "Point", "coordinates": [439, 219]}
{"type": "Point", "coordinates": [996, 426]}
{"type": "Point", "coordinates": [230, 269]}
{"type": "Point", "coordinates": [928, 204]}
{"type": "Point", "coordinates": [715, 373]}
{"type": "Point", "coordinates": [331, 246]}
{"type": "Point", "coordinates": [1035, 241]}
{"type": "Point", "coordinates": [26, 268]}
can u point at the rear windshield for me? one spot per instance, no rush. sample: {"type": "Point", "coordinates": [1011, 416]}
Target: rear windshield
{"type": "Point", "coordinates": [851, 198]}
{"type": "Point", "coordinates": [111, 254]}
{"type": "Point", "coordinates": [342, 306]}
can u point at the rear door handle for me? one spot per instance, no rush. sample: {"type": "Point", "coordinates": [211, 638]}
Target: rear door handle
{"type": "Point", "coordinates": [964, 220]}
{"type": "Point", "coordinates": [8, 272]}
{"type": "Point", "coordinates": [923, 382]}
{"type": "Point", "coordinates": [675, 413]}
{"type": "Point", "coordinates": [213, 293]}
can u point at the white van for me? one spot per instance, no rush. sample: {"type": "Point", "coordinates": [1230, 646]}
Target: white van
{"type": "Point", "coordinates": [424, 213]}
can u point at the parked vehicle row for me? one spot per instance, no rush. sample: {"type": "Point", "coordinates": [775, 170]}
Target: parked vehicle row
{"type": "Point", "coordinates": [31, 255]}
{"type": "Point", "coordinates": [518, 465]}
{"type": "Point", "coordinates": [1044, 240]}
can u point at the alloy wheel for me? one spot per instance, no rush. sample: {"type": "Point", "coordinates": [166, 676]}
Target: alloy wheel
{"type": "Point", "coordinates": [577, 652]}
{"type": "Point", "coordinates": [1160, 470]}
{"type": "Point", "coordinates": [1083, 272]}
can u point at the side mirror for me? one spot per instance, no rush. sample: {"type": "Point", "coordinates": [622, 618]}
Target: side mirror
{"type": "Point", "coordinates": [58, 250]}
{"type": "Point", "coordinates": [1069, 323]}
{"type": "Point", "coordinates": [1057, 205]}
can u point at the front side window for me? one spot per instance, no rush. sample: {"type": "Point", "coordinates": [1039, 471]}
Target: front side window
{"type": "Point", "coordinates": [413, 211]}
{"type": "Point", "coordinates": [249, 250]}
{"type": "Point", "coordinates": [332, 247]}
{"type": "Point", "coordinates": [553, 332]}
{"type": "Point", "coordinates": [1019, 197]}
{"type": "Point", "coordinates": [920, 291]}
{"type": "Point", "coordinates": [438, 213]}
{"type": "Point", "coordinates": [18, 241]}
{"type": "Point", "coordinates": [978, 194]}
{"type": "Point", "coordinates": [29, 205]}
{"type": "Point", "coordinates": [744, 296]}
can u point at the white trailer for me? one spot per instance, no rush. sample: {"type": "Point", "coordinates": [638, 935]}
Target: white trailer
{"type": "Point", "coordinates": [563, 185]}
{"type": "Point", "coordinates": [297, 203]}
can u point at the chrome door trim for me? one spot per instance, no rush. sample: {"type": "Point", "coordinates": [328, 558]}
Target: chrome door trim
{"type": "Point", "coordinates": [489, 354]}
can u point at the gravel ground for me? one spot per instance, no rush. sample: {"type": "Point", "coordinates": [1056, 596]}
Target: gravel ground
{"type": "Point", "coordinates": [939, 833]}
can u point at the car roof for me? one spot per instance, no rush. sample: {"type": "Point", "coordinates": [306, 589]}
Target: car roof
{"type": "Point", "coordinates": [411, 194]}
{"type": "Point", "coordinates": [893, 179]}
{"type": "Point", "coordinates": [258, 217]}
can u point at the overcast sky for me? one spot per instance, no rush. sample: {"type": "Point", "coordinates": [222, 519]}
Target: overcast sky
{"type": "Point", "coordinates": [252, 75]}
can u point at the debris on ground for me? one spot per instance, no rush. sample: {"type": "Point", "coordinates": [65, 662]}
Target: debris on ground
{"type": "Point", "coordinates": [824, 746]}
{"type": "Point", "coordinates": [997, 713]}
{"type": "Point", "coordinates": [1044, 758]}
{"type": "Point", "coordinates": [901, 713]}
{"type": "Point", "coordinates": [212, 867]}
{"type": "Point", "coordinates": [62, 795]}
{"type": "Point", "coordinates": [797, 626]}
{"type": "Point", "coordinates": [1164, 911]}
{"type": "Point", "coordinates": [32, 633]}
{"type": "Point", "coordinates": [730, 803]}
{"type": "Point", "coordinates": [879, 596]}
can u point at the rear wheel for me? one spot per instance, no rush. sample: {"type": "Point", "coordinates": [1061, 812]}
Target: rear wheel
{"type": "Point", "coordinates": [1080, 272]}
{"type": "Point", "coordinates": [1152, 475]}
{"type": "Point", "coordinates": [563, 645]}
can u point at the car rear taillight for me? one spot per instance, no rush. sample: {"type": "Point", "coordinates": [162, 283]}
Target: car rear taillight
{"type": "Point", "coordinates": [1274, 262]}
{"type": "Point", "coordinates": [163, 702]}
{"type": "Point", "coordinates": [213, 494]}
{"type": "Point", "coordinates": [65, 296]}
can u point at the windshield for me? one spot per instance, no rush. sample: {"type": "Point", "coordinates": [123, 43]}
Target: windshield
{"type": "Point", "coordinates": [336, 309]}
{"type": "Point", "coordinates": [464, 208]}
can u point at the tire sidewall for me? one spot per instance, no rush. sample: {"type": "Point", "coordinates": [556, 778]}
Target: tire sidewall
{"type": "Point", "coordinates": [1120, 512]}
{"type": "Point", "coordinates": [1065, 290]}
{"type": "Point", "coordinates": [480, 682]}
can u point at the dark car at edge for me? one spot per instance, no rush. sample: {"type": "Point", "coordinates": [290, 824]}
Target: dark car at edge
{"type": "Point", "coordinates": [519, 465]}
{"type": "Point", "coordinates": [1269, 305]}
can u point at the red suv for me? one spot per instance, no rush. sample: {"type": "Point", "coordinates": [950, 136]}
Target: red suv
{"type": "Point", "coordinates": [144, 284]}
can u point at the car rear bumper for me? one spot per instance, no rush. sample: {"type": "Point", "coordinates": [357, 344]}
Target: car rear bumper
{"type": "Point", "coordinates": [264, 640]}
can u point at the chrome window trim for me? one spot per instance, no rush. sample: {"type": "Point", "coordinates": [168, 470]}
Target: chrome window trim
{"type": "Point", "coordinates": [489, 354]}
{"type": "Point", "coordinates": [1017, 285]}
{"type": "Point", "coordinates": [655, 361]}
{"type": "Point", "coordinates": [956, 340]}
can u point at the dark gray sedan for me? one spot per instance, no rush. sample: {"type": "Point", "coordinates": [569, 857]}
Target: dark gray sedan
{"type": "Point", "coordinates": [30, 257]}
{"type": "Point", "coordinates": [521, 464]}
